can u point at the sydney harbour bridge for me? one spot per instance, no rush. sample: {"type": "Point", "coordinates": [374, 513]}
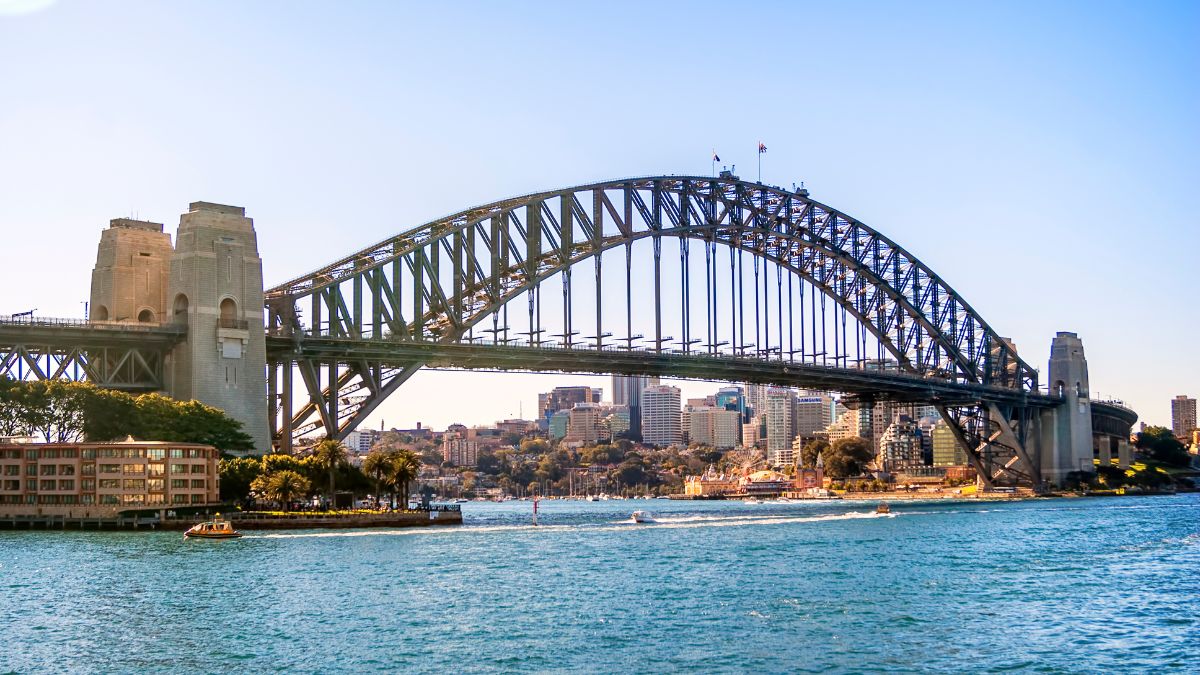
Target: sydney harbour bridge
{"type": "Point", "coordinates": [711, 278]}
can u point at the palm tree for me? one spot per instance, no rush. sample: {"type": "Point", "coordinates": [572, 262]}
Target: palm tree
{"type": "Point", "coordinates": [281, 486]}
{"type": "Point", "coordinates": [404, 468]}
{"type": "Point", "coordinates": [377, 465]}
{"type": "Point", "coordinates": [329, 455]}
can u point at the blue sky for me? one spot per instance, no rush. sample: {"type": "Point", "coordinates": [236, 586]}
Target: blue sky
{"type": "Point", "coordinates": [1041, 157]}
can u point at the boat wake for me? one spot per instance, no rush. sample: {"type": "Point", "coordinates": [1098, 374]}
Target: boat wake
{"type": "Point", "coordinates": [744, 520]}
{"type": "Point", "coordinates": [657, 522]}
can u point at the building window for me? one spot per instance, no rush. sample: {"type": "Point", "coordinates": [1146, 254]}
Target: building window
{"type": "Point", "coordinates": [110, 468]}
{"type": "Point", "coordinates": [109, 499]}
{"type": "Point", "coordinates": [89, 453]}
{"type": "Point", "coordinates": [197, 468]}
{"type": "Point", "coordinates": [155, 485]}
{"type": "Point", "coordinates": [178, 483]}
{"type": "Point", "coordinates": [176, 453]}
{"type": "Point", "coordinates": [12, 485]}
{"type": "Point", "coordinates": [66, 469]}
{"type": "Point", "coordinates": [69, 453]}
{"type": "Point", "coordinates": [47, 485]}
{"type": "Point", "coordinates": [87, 499]}
{"type": "Point", "coordinates": [31, 454]}
{"type": "Point", "coordinates": [65, 485]}
{"type": "Point", "coordinates": [31, 469]}
{"type": "Point", "coordinates": [109, 484]}
{"type": "Point", "coordinates": [135, 469]}
{"type": "Point", "coordinates": [48, 469]}
{"type": "Point", "coordinates": [88, 484]}
{"type": "Point", "coordinates": [198, 484]}
{"type": "Point", "coordinates": [178, 499]}
{"type": "Point", "coordinates": [197, 499]}
{"type": "Point", "coordinates": [179, 468]}
{"type": "Point", "coordinates": [12, 470]}
{"type": "Point", "coordinates": [88, 469]}
{"type": "Point", "coordinates": [156, 499]}
{"type": "Point", "coordinates": [156, 453]}
{"type": "Point", "coordinates": [158, 469]}
{"type": "Point", "coordinates": [138, 484]}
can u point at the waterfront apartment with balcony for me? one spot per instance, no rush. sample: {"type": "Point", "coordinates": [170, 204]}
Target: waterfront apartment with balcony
{"type": "Point", "coordinates": [103, 479]}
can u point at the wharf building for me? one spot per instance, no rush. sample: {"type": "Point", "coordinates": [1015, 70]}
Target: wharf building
{"type": "Point", "coordinates": [211, 282]}
{"type": "Point", "coordinates": [1183, 416]}
{"type": "Point", "coordinates": [103, 479]}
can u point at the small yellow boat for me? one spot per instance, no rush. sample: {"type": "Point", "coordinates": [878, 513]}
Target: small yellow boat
{"type": "Point", "coordinates": [217, 528]}
{"type": "Point", "coordinates": [883, 508]}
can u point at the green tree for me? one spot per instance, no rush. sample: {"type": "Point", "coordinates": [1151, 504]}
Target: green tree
{"type": "Point", "coordinates": [488, 462]}
{"type": "Point", "coordinates": [329, 454]}
{"type": "Point", "coordinates": [812, 450]}
{"type": "Point", "coordinates": [1160, 445]}
{"type": "Point", "coordinates": [237, 475]}
{"type": "Point", "coordinates": [282, 486]}
{"type": "Point", "coordinates": [378, 466]}
{"type": "Point", "coordinates": [109, 415]}
{"type": "Point", "coordinates": [404, 469]}
{"type": "Point", "coordinates": [280, 462]}
{"type": "Point", "coordinates": [535, 446]}
{"type": "Point", "coordinates": [848, 457]}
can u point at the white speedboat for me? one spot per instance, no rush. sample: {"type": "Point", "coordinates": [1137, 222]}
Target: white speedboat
{"type": "Point", "coordinates": [752, 500]}
{"type": "Point", "coordinates": [641, 517]}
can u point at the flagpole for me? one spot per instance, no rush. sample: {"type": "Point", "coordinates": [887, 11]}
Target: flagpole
{"type": "Point", "coordinates": [759, 148]}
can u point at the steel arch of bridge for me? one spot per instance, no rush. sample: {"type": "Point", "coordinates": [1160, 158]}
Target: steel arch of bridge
{"type": "Point", "coordinates": [437, 282]}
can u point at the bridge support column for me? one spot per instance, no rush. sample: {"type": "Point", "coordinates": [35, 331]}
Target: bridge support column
{"type": "Point", "coordinates": [1066, 439]}
{"type": "Point", "coordinates": [1103, 449]}
{"type": "Point", "coordinates": [1124, 453]}
{"type": "Point", "coordinates": [216, 288]}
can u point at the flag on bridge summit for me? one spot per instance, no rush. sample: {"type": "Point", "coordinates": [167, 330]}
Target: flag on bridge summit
{"type": "Point", "coordinates": [761, 148]}
{"type": "Point", "coordinates": [715, 158]}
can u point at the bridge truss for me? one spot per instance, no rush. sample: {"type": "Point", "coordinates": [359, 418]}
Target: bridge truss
{"type": "Point", "coordinates": [128, 357]}
{"type": "Point", "coordinates": [708, 272]}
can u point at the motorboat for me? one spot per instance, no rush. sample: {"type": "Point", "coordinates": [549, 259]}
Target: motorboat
{"type": "Point", "coordinates": [883, 508]}
{"type": "Point", "coordinates": [217, 528]}
{"type": "Point", "coordinates": [642, 517]}
{"type": "Point", "coordinates": [752, 500]}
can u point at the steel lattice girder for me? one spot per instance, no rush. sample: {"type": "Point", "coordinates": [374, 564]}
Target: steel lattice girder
{"type": "Point", "coordinates": [129, 358]}
{"type": "Point", "coordinates": [461, 269]}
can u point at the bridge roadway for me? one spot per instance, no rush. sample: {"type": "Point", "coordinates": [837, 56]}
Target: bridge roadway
{"type": "Point", "coordinates": [863, 384]}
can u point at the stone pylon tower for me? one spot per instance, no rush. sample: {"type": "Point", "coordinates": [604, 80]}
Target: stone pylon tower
{"type": "Point", "coordinates": [129, 282]}
{"type": "Point", "coordinates": [1066, 434]}
{"type": "Point", "coordinates": [216, 288]}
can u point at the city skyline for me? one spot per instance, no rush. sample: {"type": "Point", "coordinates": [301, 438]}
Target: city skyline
{"type": "Point", "coordinates": [1115, 99]}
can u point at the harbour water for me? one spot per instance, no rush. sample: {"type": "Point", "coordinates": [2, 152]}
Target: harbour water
{"type": "Point", "coordinates": [1082, 585]}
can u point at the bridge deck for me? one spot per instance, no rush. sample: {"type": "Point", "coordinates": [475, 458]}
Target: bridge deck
{"type": "Point", "coordinates": [865, 384]}
{"type": "Point", "coordinates": [71, 333]}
